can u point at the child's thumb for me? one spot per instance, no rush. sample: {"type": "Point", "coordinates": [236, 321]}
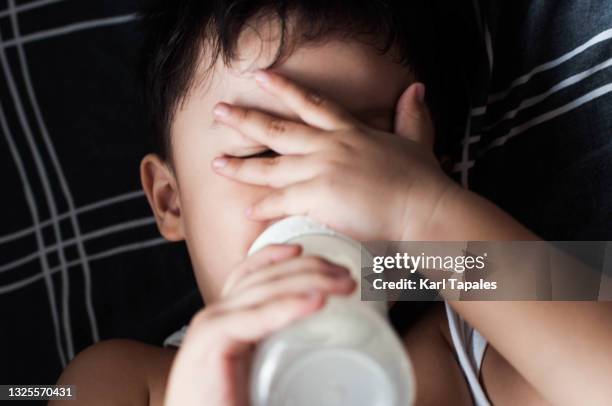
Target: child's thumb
{"type": "Point", "coordinates": [412, 119]}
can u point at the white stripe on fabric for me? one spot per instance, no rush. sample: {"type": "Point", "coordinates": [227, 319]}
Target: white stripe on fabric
{"type": "Point", "coordinates": [79, 210]}
{"type": "Point", "coordinates": [23, 260]}
{"type": "Point", "coordinates": [471, 139]}
{"type": "Point", "coordinates": [489, 46]}
{"type": "Point", "coordinates": [29, 6]}
{"type": "Point", "coordinates": [465, 154]}
{"type": "Point", "coordinates": [68, 29]}
{"type": "Point", "coordinates": [128, 225]}
{"type": "Point", "coordinates": [572, 80]}
{"type": "Point", "coordinates": [18, 234]}
{"type": "Point", "coordinates": [462, 166]}
{"type": "Point", "coordinates": [111, 200]}
{"type": "Point", "coordinates": [603, 36]}
{"type": "Point", "coordinates": [478, 111]}
{"type": "Point", "coordinates": [59, 172]}
{"type": "Point", "coordinates": [478, 16]}
{"type": "Point", "coordinates": [92, 258]}
{"type": "Point", "coordinates": [483, 29]}
{"type": "Point", "coordinates": [592, 95]}
{"type": "Point", "coordinates": [29, 196]}
{"type": "Point", "coordinates": [42, 173]}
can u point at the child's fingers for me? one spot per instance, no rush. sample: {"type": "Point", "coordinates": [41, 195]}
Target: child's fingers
{"type": "Point", "coordinates": [281, 135]}
{"type": "Point", "coordinates": [271, 254]}
{"type": "Point", "coordinates": [295, 199]}
{"type": "Point", "coordinates": [291, 284]}
{"type": "Point", "coordinates": [233, 332]}
{"type": "Point", "coordinates": [290, 266]}
{"type": "Point", "coordinates": [312, 108]}
{"type": "Point", "coordinates": [265, 257]}
{"type": "Point", "coordinates": [276, 172]}
{"type": "Point", "coordinates": [412, 118]}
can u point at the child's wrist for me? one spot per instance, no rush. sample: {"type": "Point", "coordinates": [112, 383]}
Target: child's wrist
{"type": "Point", "coordinates": [462, 215]}
{"type": "Point", "coordinates": [440, 224]}
{"type": "Point", "coordinates": [435, 222]}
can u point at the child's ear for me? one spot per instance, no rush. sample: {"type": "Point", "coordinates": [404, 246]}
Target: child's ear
{"type": "Point", "coordinates": [160, 186]}
{"type": "Point", "coordinates": [412, 119]}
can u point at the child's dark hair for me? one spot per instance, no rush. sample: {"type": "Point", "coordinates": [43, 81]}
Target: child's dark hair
{"type": "Point", "coordinates": [177, 30]}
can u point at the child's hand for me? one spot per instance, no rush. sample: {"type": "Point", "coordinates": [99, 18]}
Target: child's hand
{"type": "Point", "coordinates": [268, 291]}
{"type": "Point", "coordinates": [367, 183]}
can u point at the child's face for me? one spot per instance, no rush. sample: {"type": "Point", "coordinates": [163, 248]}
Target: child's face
{"type": "Point", "coordinates": [208, 210]}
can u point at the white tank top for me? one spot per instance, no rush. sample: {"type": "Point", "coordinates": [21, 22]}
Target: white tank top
{"type": "Point", "coordinates": [470, 347]}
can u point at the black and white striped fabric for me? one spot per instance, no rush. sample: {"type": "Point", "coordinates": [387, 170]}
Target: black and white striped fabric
{"type": "Point", "coordinates": [541, 119]}
{"type": "Point", "coordinates": [80, 257]}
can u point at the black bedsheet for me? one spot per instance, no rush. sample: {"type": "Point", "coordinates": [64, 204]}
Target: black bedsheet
{"type": "Point", "coordinates": [80, 257]}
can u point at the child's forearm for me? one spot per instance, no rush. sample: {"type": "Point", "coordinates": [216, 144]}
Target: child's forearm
{"type": "Point", "coordinates": [562, 348]}
{"type": "Point", "coordinates": [462, 215]}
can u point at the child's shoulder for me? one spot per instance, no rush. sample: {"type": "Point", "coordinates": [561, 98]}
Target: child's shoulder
{"type": "Point", "coordinates": [119, 372]}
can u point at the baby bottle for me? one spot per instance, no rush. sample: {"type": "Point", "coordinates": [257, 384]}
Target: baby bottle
{"type": "Point", "coordinates": [346, 353]}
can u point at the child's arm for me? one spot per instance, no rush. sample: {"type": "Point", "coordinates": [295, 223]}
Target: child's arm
{"type": "Point", "coordinates": [118, 372]}
{"type": "Point", "coordinates": [375, 185]}
{"type": "Point", "coordinates": [564, 349]}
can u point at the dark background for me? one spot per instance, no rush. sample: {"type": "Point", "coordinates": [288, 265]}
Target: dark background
{"type": "Point", "coordinates": [80, 257]}
{"type": "Point", "coordinates": [80, 58]}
